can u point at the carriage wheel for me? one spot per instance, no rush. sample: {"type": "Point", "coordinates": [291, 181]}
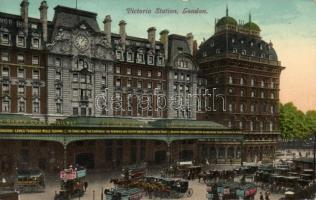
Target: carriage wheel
{"type": "Point", "coordinates": [189, 192]}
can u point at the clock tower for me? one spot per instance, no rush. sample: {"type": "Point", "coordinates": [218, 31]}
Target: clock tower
{"type": "Point", "coordinates": [79, 64]}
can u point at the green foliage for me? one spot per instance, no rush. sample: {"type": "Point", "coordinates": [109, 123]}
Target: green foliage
{"type": "Point", "coordinates": [295, 123]}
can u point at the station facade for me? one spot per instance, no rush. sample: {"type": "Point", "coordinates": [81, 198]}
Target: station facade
{"type": "Point", "coordinates": [69, 73]}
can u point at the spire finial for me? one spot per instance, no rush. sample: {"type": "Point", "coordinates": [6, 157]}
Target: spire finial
{"type": "Point", "coordinates": [249, 17]}
{"type": "Point", "coordinates": [226, 10]}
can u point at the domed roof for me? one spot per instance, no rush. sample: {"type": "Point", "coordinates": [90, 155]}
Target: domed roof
{"type": "Point", "coordinates": [226, 20]}
{"type": "Point", "coordinates": [252, 26]}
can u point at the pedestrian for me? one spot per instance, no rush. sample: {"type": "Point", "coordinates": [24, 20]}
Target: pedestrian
{"type": "Point", "coordinates": [261, 196]}
{"type": "Point", "coordinates": [85, 185]}
{"type": "Point", "coordinates": [267, 196]}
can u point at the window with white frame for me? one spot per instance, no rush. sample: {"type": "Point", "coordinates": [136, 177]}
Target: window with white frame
{"type": "Point", "coordinates": [5, 71]}
{"type": "Point", "coordinates": [252, 108]}
{"type": "Point", "coordinates": [35, 74]}
{"type": "Point", "coordinates": [251, 125]}
{"type": "Point", "coordinates": [58, 62]}
{"type": "Point", "coordinates": [35, 60]}
{"type": "Point", "coordinates": [5, 38]}
{"type": "Point", "coordinates": [242, 81]}
{"type": "Point", "coordinates": [253, 94]}
{"type": "Point", "coordinates": [149, 85]}
{"type": "Point", "coordinates": [176, 76]}
{"type": "Point", "coordinates": [129, 56]}
{"type": "Point", "coordinates": [230, 80]}
{"type": "Point", "coordinates": [75, 77]}
{"type": "Point", "coordinates": [129, 83]}
{"type": "Point", "coordinates": [35, 91]}
{"type": "Point", "coordinates": [5, 106]}
{"type": "Point", "coordinates": [159, 74]}
{"type": "Point", "coordinates": [159, 60]}
{"type": "Point", "coordinates": [139, 72]}
{"type": "Point", "coordinates": [272, 95]}
{"type": "Point", "coordinates": [119, 55]}
{"type": "Point", "coordinates": [117, 70]}
{"type": "Point", "coordinates": [35, 43]}
{"type": "Point", "coordinates": [118, 82]}
{"type": "Point", "coordinates": [150, 60]}
{"type": "Point", "coordinates": [21, 41]}
{"type": "Point", "coordinates": [242, 93]}
{"type": "Point", "coordinates": [35, 107]}
{"type": "Point", "coordinates": [149, 74]}
{"type": "Point", "coordinates": [21, 106]}
{"type": "Point", "coordinates": [58, 75]}
{"type": "Point", "coordinates": [21, 90]}
{"type": "Point", "coordinates": [182, 77]}
{"type": "Point", "coordinates": [262, 95]}
{"type": "Point", "coordinates": [20, 58]}
{"type": "Point", "coordinates": [242, 108]}
{"type": "Point", "coordinates": [5, 89]}
{"type": "Point", "coordinates": [5, 56]}
{"type": "Point", "coordinates": [139, 84]}
{"type": "Point", "coordinates": [140, 58]}
{"type": "Point", "coordinates": [252, 82]}
{"type": "Point", "coordinates": [262, 83]}
{"type": "Point", "coordinates": [21, 73]}
{"type": "Point", "coordinates": [128, 71]}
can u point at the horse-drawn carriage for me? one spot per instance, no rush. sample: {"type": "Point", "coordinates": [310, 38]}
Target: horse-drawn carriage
{"type": "Point", "coordinates": [72, 184]}
{"type": "Point", "coordinates": [124, 194]}
{"type": "Point", "coordinates": [182, 170]}
{"type": "Point", "coordinates": [29, 180]}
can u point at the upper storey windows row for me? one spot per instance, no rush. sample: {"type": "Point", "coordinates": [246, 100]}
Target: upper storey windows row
{"type": "Point", "coordinates": [140, 57]}
{"type": "Point", "coordinates": [20, 40]}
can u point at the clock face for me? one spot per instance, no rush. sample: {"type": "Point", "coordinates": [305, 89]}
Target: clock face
{"type": "Point", "coordinates": [81, 42]}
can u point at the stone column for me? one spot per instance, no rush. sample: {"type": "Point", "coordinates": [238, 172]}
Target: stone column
{"type": "Point", "coordinates": [169, 155]}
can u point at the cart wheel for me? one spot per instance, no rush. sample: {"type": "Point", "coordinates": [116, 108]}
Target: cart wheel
{"type": "Point", "coordinates": [189, 192]}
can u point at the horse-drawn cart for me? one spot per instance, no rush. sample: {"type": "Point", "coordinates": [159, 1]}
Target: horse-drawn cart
{"type": "Point", "coordinates": [29, 181]}
{"type": "Point", "coordinates": [124, 194]}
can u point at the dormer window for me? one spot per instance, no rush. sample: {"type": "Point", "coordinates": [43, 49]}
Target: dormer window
{"type": "Point", "coordinates": [5, 38]}
{"type": "Point", "coordinates": [21, 41]}
{"type": "Point", "coordinates": [150, 60]}
{"type": "Point", "coordinates": [271, 57]}
{"type": "Point", "coordinates": [212, 43]}
{"type": "Point", "coordinates": [119, 55]}
{"type": "Point", "coordinates": [35, 43]}
{"type": "Point", "coordinates": [5, 56]}
{"type": "Point", "coordinates": [160, 60]}
{"type": "Point", "coordinates": [140, 58]}
{"type": "Point", "coordinates": [234, 50]}
{"type": "Point", "coordinates": [129, 56]}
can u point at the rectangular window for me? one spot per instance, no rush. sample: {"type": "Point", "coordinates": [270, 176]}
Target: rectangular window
{"type": "Point", "coordinates": [140, 58]}
{"type": "Point", "coordinates": [35, 74]}
{"type": "Point", "coordinates": [5, 56]}
{"type": "Point", "coordinates": [160, 60]}
{"type": "Point", "coordinates": [21, 106]}
{"type": "Point", "coordinates": [159, 74]}
{"type": "Point", "coordinates": [139, 72]}
{"type": "Point", "coordinates": [5, 38]}
{"type": "Point", "coordinates": [129, 71]}
{"type": "Point", "coordinates": [58, 62]}
{"type": "Point", "coordinates": [118, 83]}
{"type": "Point", "coordinates": [58, 107]}
{"type": "Point", "coordinates": [35, 91]}
{"type": "Point", "coordinates": [75, 77]}
{"type": "Point", "coordinates": [188, 77]}
{"type": "Point", "coordinates": [21, 90]}
{"type": "Point", "coordinates": [159, 86]}
{"type": "Point", "coordinates": [103, 80]}
{"type": "Point", "coordinates": [129, 83]}
{"type": "Point", "coordinates": [5, 106]}
{"type": "Point", "coordinates": [5, 71]}
{"type": "Point", "coordinates": [20, 58]}
{"type": "Point", "coordinates": [58, 76]}
{"type": "Point", "coordinates": [117, 70]}
{"type": "Point", "coordinates": [139, 84]}
{"type": "Point", "coordinates": [35, 60]}
{"type": "Point", "coordinates": [58, 92]}
{"type": "Point", "coordinates": [75, 111]}
{"type": "Point", "coordinates": [149, 74]}
{"type": "Point", "coordinates": [130, 56]}
{"type": "Point", "coordinates": [21, 41]}
{"type": "Point", "coordinates": [35, 43]}
{"type": "Point", "coordinates": [149, 85]}
{"type": "Point", "coordinates": [5, 89]}
{"type": "Point", "coordinates": [119, 55]}
{"type": "Point", "coordinates": [35, 107]}
{"type": "Point", "coordinates": [150, 60]}
{"type": "Point", "coordinates": [75, 93]}
{"type": "Point", "coordinates": [20, 73]}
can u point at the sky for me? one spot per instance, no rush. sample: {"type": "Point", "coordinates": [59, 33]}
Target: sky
{"type": "Point", "coordinates": [289, 24]}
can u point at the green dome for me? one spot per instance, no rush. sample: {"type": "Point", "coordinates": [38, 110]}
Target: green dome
{"type": "Point", "coordinates": [226, 20]}
{"type": "Point", "coordinates": [252, 26]}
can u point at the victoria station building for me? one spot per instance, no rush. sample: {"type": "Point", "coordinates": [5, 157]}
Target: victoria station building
{"type": "Point", "coordinates": [72, 92]}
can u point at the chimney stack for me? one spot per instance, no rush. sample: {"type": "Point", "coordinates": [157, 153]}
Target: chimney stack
{"type": "Point", "coordinates": [164, 40]}
{"type": "Point", "coordinates": [152, 37]}
{"type": "Point", "coordinates": [122, 25]}
{"type": "Point", "coordinates": [25, 15]}
{"type": "Point", "coordinates": [43, 17]}
{"type": "Point", "coordinates": [190, 42]}
{"type": "Point", "coordinates": [107, 27]}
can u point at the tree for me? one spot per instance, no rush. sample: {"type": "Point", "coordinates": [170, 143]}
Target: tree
{"type": "Point", "coordinates": [311, 120]}
{"type": "Point", "coordinates": [293, 123]}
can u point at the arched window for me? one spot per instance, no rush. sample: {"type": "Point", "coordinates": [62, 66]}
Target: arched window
{"type": "Point", "coordinates": [243, 52]}
{"type": "Point", "coordinates": [230, 80]}
{"type": "Point", "coordinates": [242, 81]}
{"type": "Point", "coordinates": [234, 50]}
